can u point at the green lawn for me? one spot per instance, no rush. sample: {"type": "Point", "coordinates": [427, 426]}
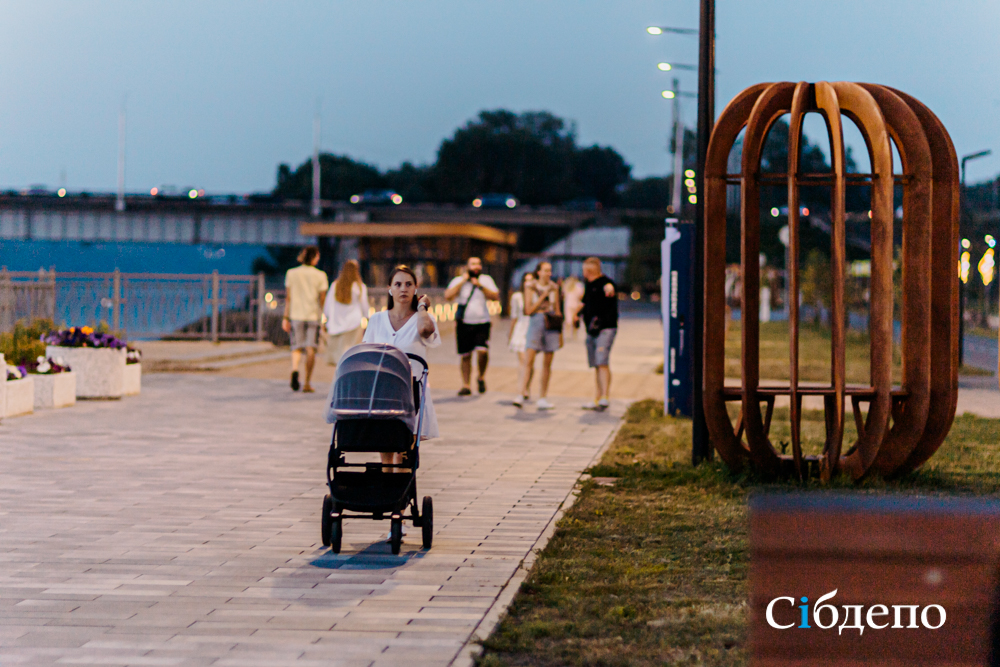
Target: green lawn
{"type": "Point", "coordinates": [814, 353]}
{"type": "Point", "coordinates": [652, 570]}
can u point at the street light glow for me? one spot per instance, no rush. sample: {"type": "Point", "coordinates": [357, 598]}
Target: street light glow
{"type": "Point", "coordinates": [193, 194]}
{"type": "Point", "coordinates": [62, 192]}
{"type": "Point", "coordinates": [775, 212]}
{"type": "Point", "coordinates": [664, 67]}
{"type": "Point", "coordinates": [669, 94]}
{"type": "Point", "coordinates": [966, 243]}
{"type": "Point", "coordinates": [653, 30]}
{"type": "Point", "coordinates": [990, 241]}
{"type": "Point", "coordinates": [963, 266]}
{"type": "Point", "coordinates": [986, 266]}
{"type": "Point", "coordinates": [693, 199]}
{"type": "Point", "coordinates": [689, 173]}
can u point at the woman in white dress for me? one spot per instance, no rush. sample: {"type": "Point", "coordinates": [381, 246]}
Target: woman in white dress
{"type": "Point", "coordinates": [518, 337]}
{"type": "Point", "coordinates": [407, 325]}
{"type": "Point", "coordinates": [346, 307]}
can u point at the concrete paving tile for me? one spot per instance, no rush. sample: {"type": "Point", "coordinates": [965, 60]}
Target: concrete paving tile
{"type": "Point", "coordinates": [190, 541]}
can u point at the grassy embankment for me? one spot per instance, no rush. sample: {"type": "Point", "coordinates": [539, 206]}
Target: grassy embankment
{"type": "Point", "coordinates": [652, 569]}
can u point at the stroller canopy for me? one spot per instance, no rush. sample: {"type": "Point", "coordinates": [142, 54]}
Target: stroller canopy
{"type": "Point", "coordinates": [373, 380]}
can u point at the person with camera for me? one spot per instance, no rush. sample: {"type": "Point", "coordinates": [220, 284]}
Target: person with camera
{"type": "Point", "coordinates": [473, 289]}
{"type": "Point", "coordinates": [543, 303]}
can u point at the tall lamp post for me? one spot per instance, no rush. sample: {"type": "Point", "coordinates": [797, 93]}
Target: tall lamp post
{"type": "Point", "coordinates": [676, 95]}
{"type": "Point", "coordinates": [701, 449]}
{"type": "Point", "coordinates": [961, 283]}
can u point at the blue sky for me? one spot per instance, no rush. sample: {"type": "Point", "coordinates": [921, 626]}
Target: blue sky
{"type": "Point", "coordinates": [221, 91]}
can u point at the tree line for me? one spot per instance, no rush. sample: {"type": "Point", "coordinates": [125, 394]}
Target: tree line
{"type": "Point", "coordinates": [532, 155]}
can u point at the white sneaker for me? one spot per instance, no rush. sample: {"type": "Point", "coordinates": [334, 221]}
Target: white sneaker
{"type": "Point", "coordinates": [604, 404]}
{"type": "Point", "coordinates": [543, 404]}
{"type": "Point", "coordinates": [590, 406]}
{"type": "Point", "coordinates": [519, 402]}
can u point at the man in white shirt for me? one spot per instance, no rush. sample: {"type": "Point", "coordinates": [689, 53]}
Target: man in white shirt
{"type": "Point", "coordinates": [305, 291]}
{"type": "Point", "coordinates": [472, 320]}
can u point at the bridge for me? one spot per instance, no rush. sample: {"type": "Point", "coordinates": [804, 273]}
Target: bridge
{"type": "Point", "coordinates": [254, 220]}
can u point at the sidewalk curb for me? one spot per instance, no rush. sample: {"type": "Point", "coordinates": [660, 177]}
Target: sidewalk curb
{"type": "Point", "coordinates": [471, 649]}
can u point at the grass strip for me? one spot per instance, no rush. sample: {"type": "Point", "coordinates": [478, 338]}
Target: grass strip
{"type": "Point", "coordinates": [649, 566]}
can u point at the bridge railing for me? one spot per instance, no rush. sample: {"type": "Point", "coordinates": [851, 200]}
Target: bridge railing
{"type": "Point", "coordinates": [139, 305]}
{"type": "Point", "coordinates": [25, 296]}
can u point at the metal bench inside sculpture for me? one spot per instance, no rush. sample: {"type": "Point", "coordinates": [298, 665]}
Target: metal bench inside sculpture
{"type": "Point", "coordinates": [905, 424]}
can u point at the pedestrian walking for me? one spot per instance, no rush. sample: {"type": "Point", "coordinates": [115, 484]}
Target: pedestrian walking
{"type": "Point", "coordinates": [517, 339]}
{"type": "Point", "coordinates": [599, 311]}
{"type": "Point", "coordinates": [408, 325]}
{"type": "Point", "coordinates": [305, 291]}
{"type": "Point", "coordinates": [543, 304]}
{"type": "Point", "coordinates": [473, 289]}
{"type": "Point", "coordinates": [346, 308]}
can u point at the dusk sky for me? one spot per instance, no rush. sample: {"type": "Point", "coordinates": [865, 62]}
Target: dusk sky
{"type": "Point", "coordinates": [219, 92]}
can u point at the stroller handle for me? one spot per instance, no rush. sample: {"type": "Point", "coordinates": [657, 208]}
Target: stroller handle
{"type": "Point", "coordinates": [419, 359]}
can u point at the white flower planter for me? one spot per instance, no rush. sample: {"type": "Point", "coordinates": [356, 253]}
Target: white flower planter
{"type": "Point", "coordinates": [20, 399]}
{"type": "Point", "coordinates": [55, 390]}
{"type": "Point", "coordinates": [3, 385]}
{"type": "Point", "coordinates": [100, 371]}
{"type": "Point", "coordinates": [133, 379]}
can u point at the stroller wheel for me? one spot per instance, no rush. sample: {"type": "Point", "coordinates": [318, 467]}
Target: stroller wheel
{"type": "Point", "coordinates": [396, 536]}
{"type": "Point", "coordinates": [336, 535]}
{"type": "Point", "coordinates": [326, 520]}
{"type": "Point", "coordinates": [427, 521]}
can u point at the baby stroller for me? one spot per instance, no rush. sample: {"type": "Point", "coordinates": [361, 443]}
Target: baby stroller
{"type": "Point", "coordinates": [378, 407]}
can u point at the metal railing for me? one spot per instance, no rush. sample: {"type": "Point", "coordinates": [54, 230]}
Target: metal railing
{"type": "Point", "coordinates": [26, 296]}
{"type": "Point", "coordinates": [139, 305]}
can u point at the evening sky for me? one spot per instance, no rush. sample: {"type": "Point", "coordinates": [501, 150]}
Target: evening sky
{"type": "Point", "coordinates": [219, 92]}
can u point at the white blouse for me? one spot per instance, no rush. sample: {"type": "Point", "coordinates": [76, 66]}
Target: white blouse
{"type": "Point", "coordinates": [344, 317]}
{"type": "Point", "coordinates": [516, 306]}
{"type": "Point", "coordinates": [408, 339]}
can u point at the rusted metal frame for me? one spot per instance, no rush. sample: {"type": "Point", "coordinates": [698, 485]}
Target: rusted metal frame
{"type": "Point", "coordinates": [720, 427]}
{"type": "Point", "coordinates": [769, 402]}
{"type": "Point", "coordinates": [828, 103]}
{"type": "Point", "coordinates": [857, 104]}
{"type": "Point", "coordinates": [802, 101]}
{"type": "Point", "coordinates": [944, 286]}
{"type": "Point", "coordinates": [771, 105]}
{"type": "Point", "coordinates": [910, 411]}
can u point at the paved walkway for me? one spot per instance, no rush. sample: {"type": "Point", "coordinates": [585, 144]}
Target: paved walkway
{"type": "Point", "coordinates": [638, 350]}
{"type": "Point", "coordinates": [181, 527]}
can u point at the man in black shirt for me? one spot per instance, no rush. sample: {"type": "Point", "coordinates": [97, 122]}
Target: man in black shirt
{"type": "Point", "coordinates": [599, 312]}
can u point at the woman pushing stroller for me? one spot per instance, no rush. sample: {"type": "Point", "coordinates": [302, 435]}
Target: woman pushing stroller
{"type": "Point", "coordinates": [378, 406]}
{"type": "Point", "coordinates": [408, 325]}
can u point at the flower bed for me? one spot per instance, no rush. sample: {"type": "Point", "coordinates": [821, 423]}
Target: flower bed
{"type": "Point", "coordinates": [98, 360]}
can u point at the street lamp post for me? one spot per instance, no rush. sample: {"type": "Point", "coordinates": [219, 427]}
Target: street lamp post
{"type": "Point", "coordinates": [678, 151]}
{"type": "Point", "coordinates": [676, 95]}
{"type": "Point", "coordinates": [701, 449]}
{"type": "Point", "coordinates": [961, 284]}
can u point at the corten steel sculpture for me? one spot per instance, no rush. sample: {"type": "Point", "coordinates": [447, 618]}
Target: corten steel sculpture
{"type": "Point", "coordinates": [906, 424]}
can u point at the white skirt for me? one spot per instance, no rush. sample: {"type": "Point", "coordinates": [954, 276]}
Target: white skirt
{"type": "Point", "coordinates": [519, 337]}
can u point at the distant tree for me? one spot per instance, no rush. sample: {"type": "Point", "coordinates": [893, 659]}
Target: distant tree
{"type": "Point", "coordinates": [340, 177]}
{"type": "Point", "coordinates": [598, 172]}
{"type": "Point", "coordinates": [414, 183]}
{"type": "Point", "coordinates": [528, 155]}
{"type": "Point", "coordinates": [651, 193]}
